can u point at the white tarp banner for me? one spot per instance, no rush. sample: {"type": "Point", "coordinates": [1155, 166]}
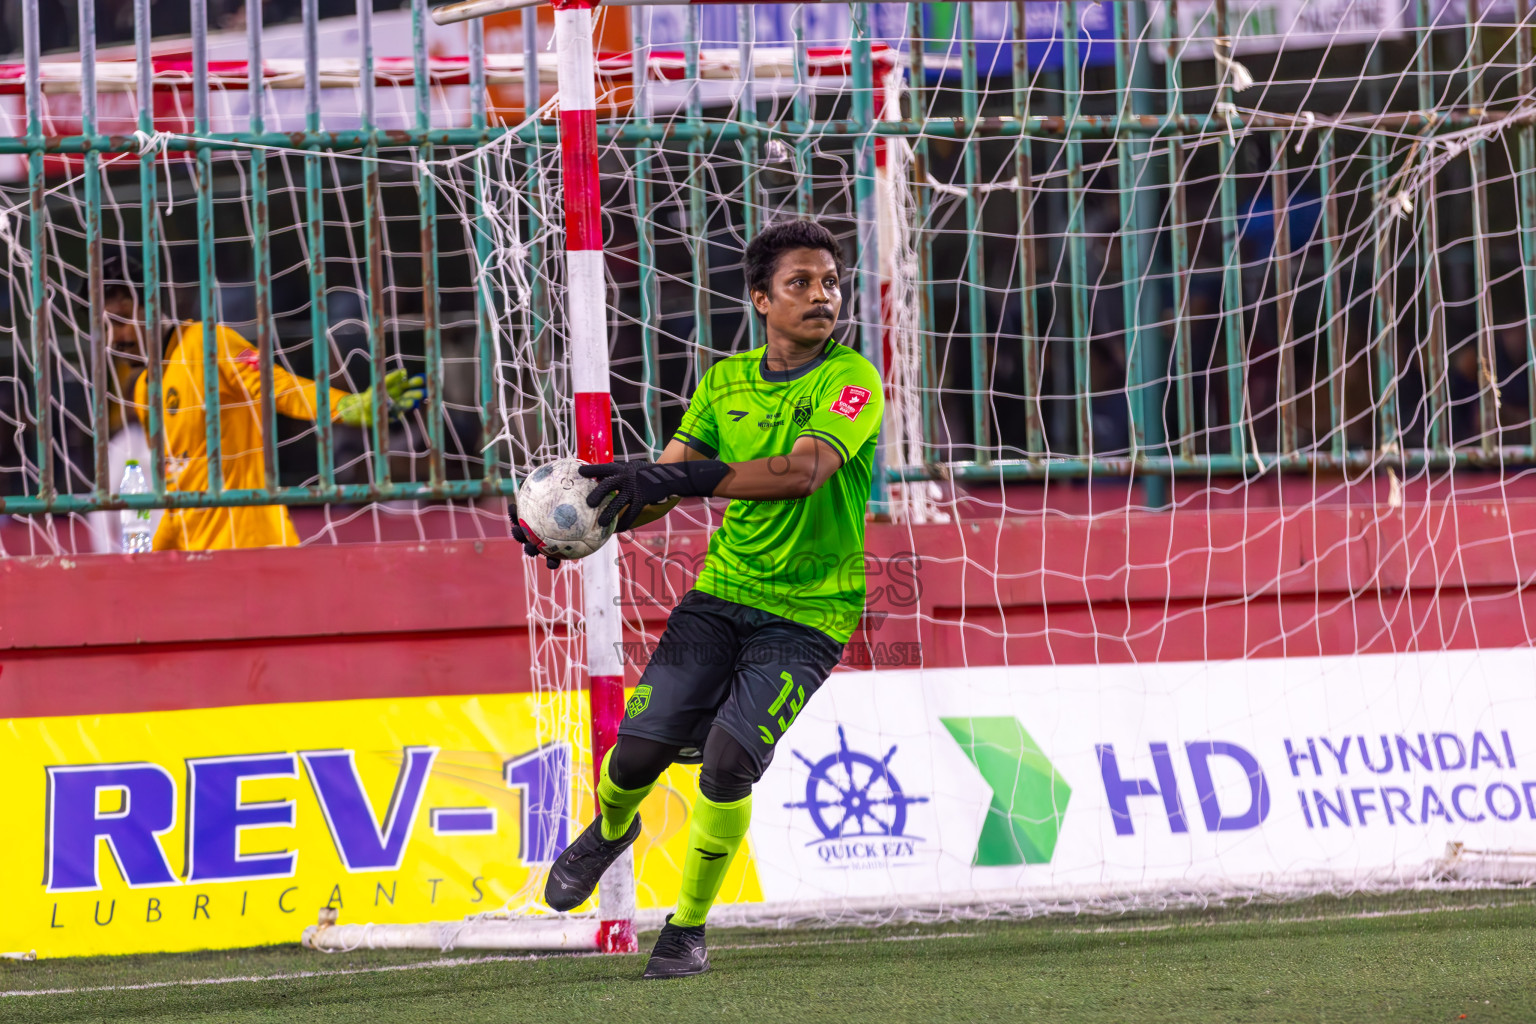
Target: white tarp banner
{"type": "Point", "coordinates": [1285, 772]}
{"type": "Point", "coordinates": [1270, 26]}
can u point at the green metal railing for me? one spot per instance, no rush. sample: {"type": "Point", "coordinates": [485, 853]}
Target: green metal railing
{"type": "Point", "coordinates": [1023, 178]}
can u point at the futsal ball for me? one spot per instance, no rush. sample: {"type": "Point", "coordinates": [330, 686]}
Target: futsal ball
{"type": "Point", "coordinates": [552, 510]}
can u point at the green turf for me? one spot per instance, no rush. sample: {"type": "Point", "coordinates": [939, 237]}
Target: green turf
{"type": "Point", "coordinates": [1414, 958]}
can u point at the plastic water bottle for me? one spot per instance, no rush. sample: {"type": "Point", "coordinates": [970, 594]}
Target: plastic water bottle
{"type": "Point", "coordinates": [137, 532]}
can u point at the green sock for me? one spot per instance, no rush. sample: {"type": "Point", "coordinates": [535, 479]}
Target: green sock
{"type": "Point", "coordinates": [713, 838]}
{"type": "Point", "coordinates": [618, 806]}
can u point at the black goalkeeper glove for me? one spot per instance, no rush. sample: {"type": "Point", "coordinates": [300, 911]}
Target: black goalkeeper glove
{"type": "Point", "coordinates": [638, 484]}
{"type": "Point", "coordinates": [529, 547]}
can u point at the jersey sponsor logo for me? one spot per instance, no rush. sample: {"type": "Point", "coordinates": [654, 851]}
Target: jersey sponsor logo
{"type": "Point", "coordinates": [736, 414]}
{"type": "Point", "coordinates": [803, 411]}
{"type": "Point", "coordinates": [851, 402]}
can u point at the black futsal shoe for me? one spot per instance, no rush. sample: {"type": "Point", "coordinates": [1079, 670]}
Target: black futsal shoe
{"type": "Point", "coordinates": [576, 871]}
{"type": "Point", "coordinates": [679, 952]}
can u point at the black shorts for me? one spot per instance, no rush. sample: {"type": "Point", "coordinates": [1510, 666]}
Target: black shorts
{"type": "Point", "coordinates": [719, 663]}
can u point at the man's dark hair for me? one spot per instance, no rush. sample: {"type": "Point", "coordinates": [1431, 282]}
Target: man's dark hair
{"type": "Point", "coordinates": [122, 276]}
{"type": "Point", "coordinates": [776, 239]}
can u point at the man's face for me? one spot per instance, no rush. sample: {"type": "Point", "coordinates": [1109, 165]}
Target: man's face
{"type": "Point", "coordinates": [802, 301]}
{"type": "Point", "coordinates": [124, 328]}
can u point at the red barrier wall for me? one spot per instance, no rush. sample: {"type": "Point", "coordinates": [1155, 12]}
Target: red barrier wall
{"type": "Point", "coordinates": [111, 633]}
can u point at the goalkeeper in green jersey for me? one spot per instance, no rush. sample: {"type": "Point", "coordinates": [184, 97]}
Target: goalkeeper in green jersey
{"type": "Point", "coordinates": [788, 432]}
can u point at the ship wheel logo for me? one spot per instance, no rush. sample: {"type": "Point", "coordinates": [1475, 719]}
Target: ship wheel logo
{"type": "Point", "coordinates": [851, 794]}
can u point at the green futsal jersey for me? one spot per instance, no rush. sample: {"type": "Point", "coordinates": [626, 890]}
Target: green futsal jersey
{"type": "Point", "coordinates": [802, 558]}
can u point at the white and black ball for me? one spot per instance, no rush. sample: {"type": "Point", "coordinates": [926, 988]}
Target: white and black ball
{"type": "Point", "coordinates": [552, 510]}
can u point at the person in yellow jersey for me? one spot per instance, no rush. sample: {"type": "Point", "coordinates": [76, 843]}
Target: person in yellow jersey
{"type": "Point", "coordinates": [240, 429]}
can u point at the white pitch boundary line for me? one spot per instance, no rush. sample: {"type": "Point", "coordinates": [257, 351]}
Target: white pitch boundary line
{"type": "Point", "coordinates": [1361, 915]}
{"type": "Point", "coordinates": [849, 942]}
{"type": "Point", "coordinates": [442, 962]}
{"type": "Point", "coordinates": [290, 976]}
{"type": "Point", "coordinates": [471, 961]}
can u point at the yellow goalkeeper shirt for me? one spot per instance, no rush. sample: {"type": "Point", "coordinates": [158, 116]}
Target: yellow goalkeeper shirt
{"type": "Point", "coordinates": [186, 446]}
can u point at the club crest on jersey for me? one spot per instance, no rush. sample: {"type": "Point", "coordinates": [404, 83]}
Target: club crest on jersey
{"type": "Point", "coordinates": [802, 413]}
{"type": "Point", "coordinates": [851, 402]}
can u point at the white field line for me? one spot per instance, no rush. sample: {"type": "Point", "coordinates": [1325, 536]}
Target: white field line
{"type": "Point", "coordinates": [442, 962]}
{"type": "Point", "coordinates": [290, 976]}
{"type": "Point", "coordinates": [1362, 915]}
{"type": "Point", "coordinates": [470, 961]}
{"type": "Point", "coordinates": [849, 942]}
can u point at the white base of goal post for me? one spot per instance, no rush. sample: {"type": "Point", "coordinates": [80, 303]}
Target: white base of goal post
{"type": "Point", "coordinates": [551, 934]}
{"type": "Point", "coordinates": [1470, 866]}
{"type": "Point", "coordinates": [616, 906]}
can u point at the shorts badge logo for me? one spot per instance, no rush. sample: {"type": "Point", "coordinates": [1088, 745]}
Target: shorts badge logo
{"type": "Point", "coordinates": [638, 701]}
{"type": "Point", "coordinates": [851, 402]}
{"type": "Point", "coordinates": [802, 414]}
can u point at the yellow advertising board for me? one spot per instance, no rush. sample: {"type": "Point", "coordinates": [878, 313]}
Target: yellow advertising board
{"type": "Point", "coordinates": [227, 827]}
